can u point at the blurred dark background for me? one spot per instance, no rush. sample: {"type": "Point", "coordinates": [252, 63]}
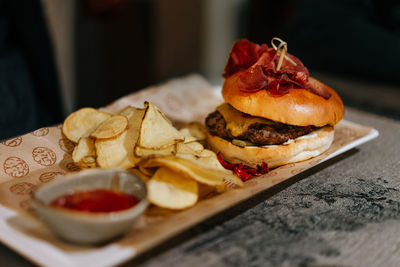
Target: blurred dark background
{"type": "Point", "coordinates": [353, 45]}
{"type": "Point", "coordinates": [105, 49]}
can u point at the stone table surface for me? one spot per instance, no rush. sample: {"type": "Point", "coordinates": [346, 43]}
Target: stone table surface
{"type": "Point", "coordinates": [344, 212]}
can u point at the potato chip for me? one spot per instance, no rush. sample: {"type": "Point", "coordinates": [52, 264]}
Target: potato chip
{"type": "Point", "coordinates": [186, 134]}
{"type": "Point", "coordinates": [142, 175]}
{"type": "Point", "coordinates": [135, 116]}
{"type": "Point", "coordinates": [126, 111]}
{"type": "Point", "coordinates": [112, 152]}
{"type": "Point", "coordinates": [148, 152]}
{"type": "Point", "coordinates": [195, 171]}
{"type": "Point", "coordinates": [157, 135]}
{"type": "Point", "coordinates": [191, 148]}
{"type": "Point", "coordinates": [196, 153]}
{"type": "Point", "coordinates": [167, 189]}
{"type": "Point", "coordinates": [130, 111]}
{"type": "Point", "coordinates": [119, 152]}
{"type": "Point", "coordinates": [85, 147]}
{"type": "Point", "coordinates": [209, 159]}
{"type": "Point", "coordinates": [111, 127]}
{"type": "Point", "coordinates": [87, 162]}
{"type": "Point", "coordinates": [147, 171]}
{"type": "Point", "coordinates": [84, 154]}
{"type": "Point", "coordinates": [82, 123]}
{"type": "Point", "coordinates": [194, 130]}
{"type": "Point", "coordinates": [175, 164]}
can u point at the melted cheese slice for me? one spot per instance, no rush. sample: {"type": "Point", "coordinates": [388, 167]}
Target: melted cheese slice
{"type": "Point", "coordinates": [238, 122]}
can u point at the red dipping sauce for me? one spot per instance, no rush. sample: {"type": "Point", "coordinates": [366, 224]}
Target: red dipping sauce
{"type": "Point", "coordinates": [99, 200]}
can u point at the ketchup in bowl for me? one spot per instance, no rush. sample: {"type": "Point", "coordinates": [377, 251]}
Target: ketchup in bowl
{"type": "Point", "coordinates": [92, 206]}
{"type": "Point", "coordinates": [98, 200]}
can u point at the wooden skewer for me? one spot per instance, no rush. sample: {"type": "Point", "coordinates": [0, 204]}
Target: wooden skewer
{"type": "Point", "coordinates": [281, 51]}
{"type": "Point", "coordinates": [282, 48]}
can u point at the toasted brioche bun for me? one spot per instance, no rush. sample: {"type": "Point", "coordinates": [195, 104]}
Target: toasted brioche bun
{"type": "Point", "coordinates": [298, 107]}
{"type": "Point", "coordinates": [299, 149]}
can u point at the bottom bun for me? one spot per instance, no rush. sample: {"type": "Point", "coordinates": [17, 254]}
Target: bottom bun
{"type": "Point", "coordinates": [299, 149]}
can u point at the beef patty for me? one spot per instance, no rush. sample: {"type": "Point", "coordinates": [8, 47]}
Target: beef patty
{"type": "Point", "coordinates": [259, 134]}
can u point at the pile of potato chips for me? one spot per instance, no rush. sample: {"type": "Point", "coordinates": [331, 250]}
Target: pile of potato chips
{"type": "Point", "coordinates": [174, 163]}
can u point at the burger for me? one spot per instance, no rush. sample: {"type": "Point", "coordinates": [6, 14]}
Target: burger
{"type": "Point", "coordinates": [274, 111]}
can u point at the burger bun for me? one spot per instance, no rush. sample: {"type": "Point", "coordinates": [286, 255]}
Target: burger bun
{"type": "Point", "coordinates": [299, 107]}
{"type": "Point", "coordinates": [299, 149]}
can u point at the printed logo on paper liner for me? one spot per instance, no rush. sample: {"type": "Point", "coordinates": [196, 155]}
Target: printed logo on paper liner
{"type": "Point", "coordinates": [12, 142]}
{"type": "Point", "coordinates": [23, 188]}
{"type": "Point", "coordinates": [49, 176]}
{"type": "Point", "coordinates": [44, 156]}
{"type": "Point", "coordinates": [66, 145]}
{"type": "Point", "coordinates": [41, 132]}
{"type": "Point", "coordinates": [15, 167]}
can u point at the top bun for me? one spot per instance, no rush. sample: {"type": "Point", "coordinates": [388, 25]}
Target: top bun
{"type": "Point", "coordinates": [298, 107]}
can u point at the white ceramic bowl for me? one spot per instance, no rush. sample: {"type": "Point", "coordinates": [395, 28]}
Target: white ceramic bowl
{"type": "Point", "coordinates": [85, 227]}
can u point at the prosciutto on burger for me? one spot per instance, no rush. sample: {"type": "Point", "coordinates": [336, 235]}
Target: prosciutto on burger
{"type": "Point", "coordinates": [274, 112]}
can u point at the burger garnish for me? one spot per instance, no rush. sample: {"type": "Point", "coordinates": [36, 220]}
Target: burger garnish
{"type": "Point", "coordinates": [274, 112]}
{"type": "Point", "coordinates": [243, 171]}
{"type": "Point", "coordinates": [271, 69]}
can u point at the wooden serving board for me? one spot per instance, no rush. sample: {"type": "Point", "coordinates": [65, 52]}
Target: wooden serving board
{"type": "Point", "coordinates": [36, 158]}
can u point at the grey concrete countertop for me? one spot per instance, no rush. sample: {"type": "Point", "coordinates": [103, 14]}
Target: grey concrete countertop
{"type": "Point", "coordinates": [344, 212]}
